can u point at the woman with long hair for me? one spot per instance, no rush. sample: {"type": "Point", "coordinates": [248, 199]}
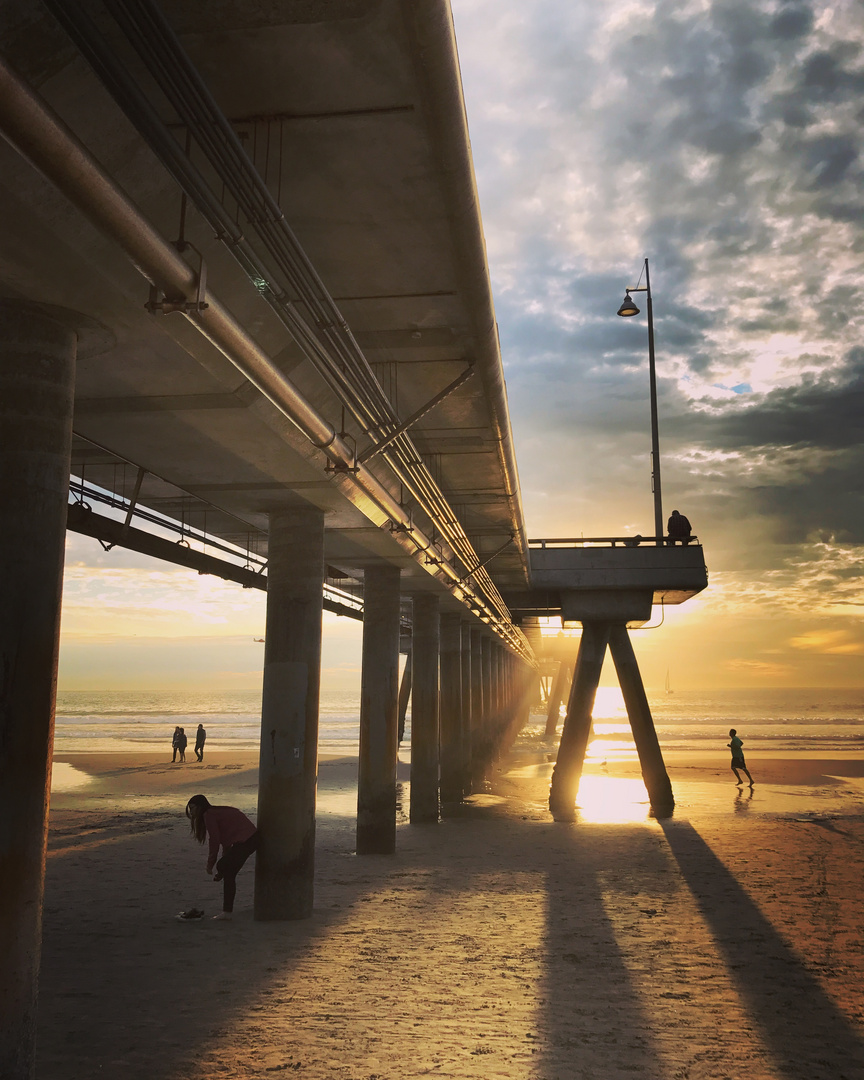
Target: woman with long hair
{"type": "Point", "coordinates": [228, 828]}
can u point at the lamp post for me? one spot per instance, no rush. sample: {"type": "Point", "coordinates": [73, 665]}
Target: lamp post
{"type": "Point", "coordinates": [627, 309]}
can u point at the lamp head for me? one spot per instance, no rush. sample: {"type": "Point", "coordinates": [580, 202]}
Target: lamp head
{"type": "Point", "coordinates": [628, 307]}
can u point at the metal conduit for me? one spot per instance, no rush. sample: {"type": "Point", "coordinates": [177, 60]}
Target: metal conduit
{"type": "Point", "coordinates": [348, 374]}
{"type": "Point", "coordinates": [34, 130]}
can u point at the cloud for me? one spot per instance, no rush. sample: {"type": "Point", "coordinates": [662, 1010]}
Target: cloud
{"type": "Point", "coordinates": [725, 140]}
{"type": "Point", "coordinates": [761, 668]}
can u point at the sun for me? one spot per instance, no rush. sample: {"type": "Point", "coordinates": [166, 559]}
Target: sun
{"type": "Point", "coordinates": [609, 703]}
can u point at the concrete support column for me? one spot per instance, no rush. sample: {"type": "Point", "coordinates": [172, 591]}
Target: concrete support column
{"type": "Point", "coordinates": [497, 698]}
{"type": "Point", "coordinates": [424, 711]}
{"type": "Point", "coordinates": [478, 709]}
{"type": "Point", "coordinates": [556, 696]}
{"type": "Point", "coordinates": [404, 695]}
{"type": "Point", "coordinates": [37, 373]}
{"type": "Point", "coordinates": [486, 723]}
{"type": "Point", "coordinates": [467, 708]}
{"type": "Point", "coordinates": [644, 733]}
{"type": "Point", "coordinates": [379, 687]}
{"type": "Point", "coordinates": [451, 708]}
{"type": "Point", "coordinates": [285, 863]}
{"type": "Point", "coordinates": [577, 723]}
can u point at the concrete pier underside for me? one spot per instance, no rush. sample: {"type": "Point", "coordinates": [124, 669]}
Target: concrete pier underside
{"type": "Point", "coordinates": [37, 371]}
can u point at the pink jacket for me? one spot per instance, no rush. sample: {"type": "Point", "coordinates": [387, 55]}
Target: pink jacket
{"type": "Point", "coordinates": [226, 825]}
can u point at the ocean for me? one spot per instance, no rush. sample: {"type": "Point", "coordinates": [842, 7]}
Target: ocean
{"type": "Point", "coordinates": [776, 719]}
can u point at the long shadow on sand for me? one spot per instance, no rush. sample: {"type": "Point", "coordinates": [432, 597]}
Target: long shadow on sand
{"type": "Point", "coordinates": [139, 996]}
{"type": "Point", "coordinates": [802, 1028]}
{"type": "Point", "coordinates": [587, 1009]}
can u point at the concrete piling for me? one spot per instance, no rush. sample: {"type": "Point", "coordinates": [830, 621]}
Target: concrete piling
{"type": "Point", "coordinates": [451, 714]}
{"type": "Point", "coordinates": [560, 685]}
{"type": "Point", "coordinates": [376, 782]}
{"type": "Point", "coordinates": [285, 863]}
{"type": "Point", "coordinates": [641, 722]}
{"type": "Point", "coordinates": [424, 711]}
{"type": "Point", "coordinates": [467, 708]}
{"type": "Point", "coordinates": [577, 723]}
{"type": "Point", "coordinates": [37, 372]}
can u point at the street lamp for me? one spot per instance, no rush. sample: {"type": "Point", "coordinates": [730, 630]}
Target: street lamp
{"type": "Point", "coordinates": [627, 309]}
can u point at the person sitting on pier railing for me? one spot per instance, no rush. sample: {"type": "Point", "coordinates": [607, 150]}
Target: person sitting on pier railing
{"type": "Point", "coordinates": [678, 529]}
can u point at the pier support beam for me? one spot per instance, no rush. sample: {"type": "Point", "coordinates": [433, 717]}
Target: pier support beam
{"type": "Point", "coordinates": [451, 715]}
{"type": "Point", "coordinates": [376, 782]}
{"type": "Point", "coordinates": [577, 723]}
{"type": "Point", "coordinates": [485, 740]}
{"type": "Point", "coordinates": [404, 695]}
{"type": "Point", "coordinates": [424, 711]}
{"type": "Point", "coordinates": [654, 772]}
{"type": "Point", "coordinates": [37, 372]}
{"type": "Point", "coordinates": [560, 686]}
{"type": "Point", "coordinates": [478, 709]}
{"type": "Point", "coordinates": [285, 863]}
{"type": "Point", "coordinates": [467, 708]}
{"type": "Point", "coordinates": [497, 717]}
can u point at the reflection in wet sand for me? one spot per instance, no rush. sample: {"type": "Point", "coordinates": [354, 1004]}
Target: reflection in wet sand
{"type": "Point", "coordinates": [65, 777]}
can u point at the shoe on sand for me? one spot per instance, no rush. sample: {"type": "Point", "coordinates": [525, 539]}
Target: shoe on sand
{"type": "Point", "coordinates": [223, 916]}
{"type": "Point", "coordinates": [192, 915]}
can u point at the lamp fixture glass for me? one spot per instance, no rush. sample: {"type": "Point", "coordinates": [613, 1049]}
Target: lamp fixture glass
{"type": "Point", "coordinates": [628, 307]}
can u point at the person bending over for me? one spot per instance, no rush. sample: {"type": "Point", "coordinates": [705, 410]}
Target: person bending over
{"type": "Point", "coordinates": [737, 748]}
{"type": "Point", "coordinates": [228, 828]}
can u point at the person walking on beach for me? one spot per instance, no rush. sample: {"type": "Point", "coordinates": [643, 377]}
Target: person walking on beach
{"type": "Point", "coordinates": [200, 739]}
{"type": "Point", "coordinates": [182, 743]}
{"type": "Point", "coordinates": [228, 827]}
{"type": "Point", "coordinates": [737, 748]}
{"type": "Point", "coordinates": [175, 743]}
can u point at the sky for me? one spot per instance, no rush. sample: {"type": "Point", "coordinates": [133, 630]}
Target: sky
{"type": "Point", "coordinates": [723, 142]}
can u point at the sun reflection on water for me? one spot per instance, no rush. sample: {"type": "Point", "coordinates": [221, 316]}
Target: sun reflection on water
{"type": "Point", "coordinates": [612, 800]}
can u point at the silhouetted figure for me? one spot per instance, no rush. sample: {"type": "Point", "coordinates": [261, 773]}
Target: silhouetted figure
{"type": "Point", "coordinates": [228, 828]}
{"type": "Point", "coordinates": [737, 748]}
{"type": "Point", "coordinates": [175, 743]}
{"type": "Point", "coordinates": [182, 743]}
{"type": "Point", "coordinates": [678, 529]}
{"type": "Point", "coordinates": [200, 739]}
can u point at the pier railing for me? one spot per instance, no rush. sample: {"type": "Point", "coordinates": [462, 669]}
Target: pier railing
{"type": "Point", "coordinates": [613, 541]}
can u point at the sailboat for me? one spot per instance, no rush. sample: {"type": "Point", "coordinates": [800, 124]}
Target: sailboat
{"type": "Point", "coordinates": [669, 689]}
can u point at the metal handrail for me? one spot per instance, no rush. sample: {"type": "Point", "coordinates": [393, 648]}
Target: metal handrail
{"type": "Point", "coordinates": [615, 541]}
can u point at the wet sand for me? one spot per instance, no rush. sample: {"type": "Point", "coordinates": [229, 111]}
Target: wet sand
{"type": "Point", "coordinates": [727, 941]}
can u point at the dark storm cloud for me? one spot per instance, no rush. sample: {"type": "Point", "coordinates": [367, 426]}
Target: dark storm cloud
{"type": "Point", "coordinates": [824, 411]}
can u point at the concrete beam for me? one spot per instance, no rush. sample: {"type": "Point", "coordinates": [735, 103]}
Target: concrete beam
{"type": "Point", "coordinates": [560, 685]}
{"type": "Point", "coordinates": [577, 723]}
{"type": "Point", "coordinates": [37, 372]}
{"type": "Point", "coordinates": [285, 868]}
{"type": "Point", "coordinates": [641, 722]}
{"type": "Point", "coordinates": [424, 710]}
{"type": "Point", "coordinates": [451, 708]}
{"type": "Point", "coordinates": [467, 707]}
{"type": "Point", "coordinates": [379, 693]}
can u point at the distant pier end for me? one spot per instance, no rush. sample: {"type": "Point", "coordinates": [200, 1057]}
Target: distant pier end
{"type": "Point", "coordinates": [607, 578]}
{"type": "Point", "coordinates": [607, 585]}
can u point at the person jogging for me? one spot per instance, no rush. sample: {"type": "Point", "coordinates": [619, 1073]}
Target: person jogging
{"type": "Point", "coordinates": [737, 748]}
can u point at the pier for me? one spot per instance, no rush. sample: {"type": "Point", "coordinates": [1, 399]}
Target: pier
{"type": "Point", "coordinates": [246, 306]}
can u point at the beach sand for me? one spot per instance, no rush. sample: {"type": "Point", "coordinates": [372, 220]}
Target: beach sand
{"type": "Point", "coordinates": [727, 941]}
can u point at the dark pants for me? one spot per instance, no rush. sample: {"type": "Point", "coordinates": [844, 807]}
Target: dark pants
{"type": "Point", "coordinates": [199, 751]}
{"type": "Point", "coordinates": [229, 867]}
